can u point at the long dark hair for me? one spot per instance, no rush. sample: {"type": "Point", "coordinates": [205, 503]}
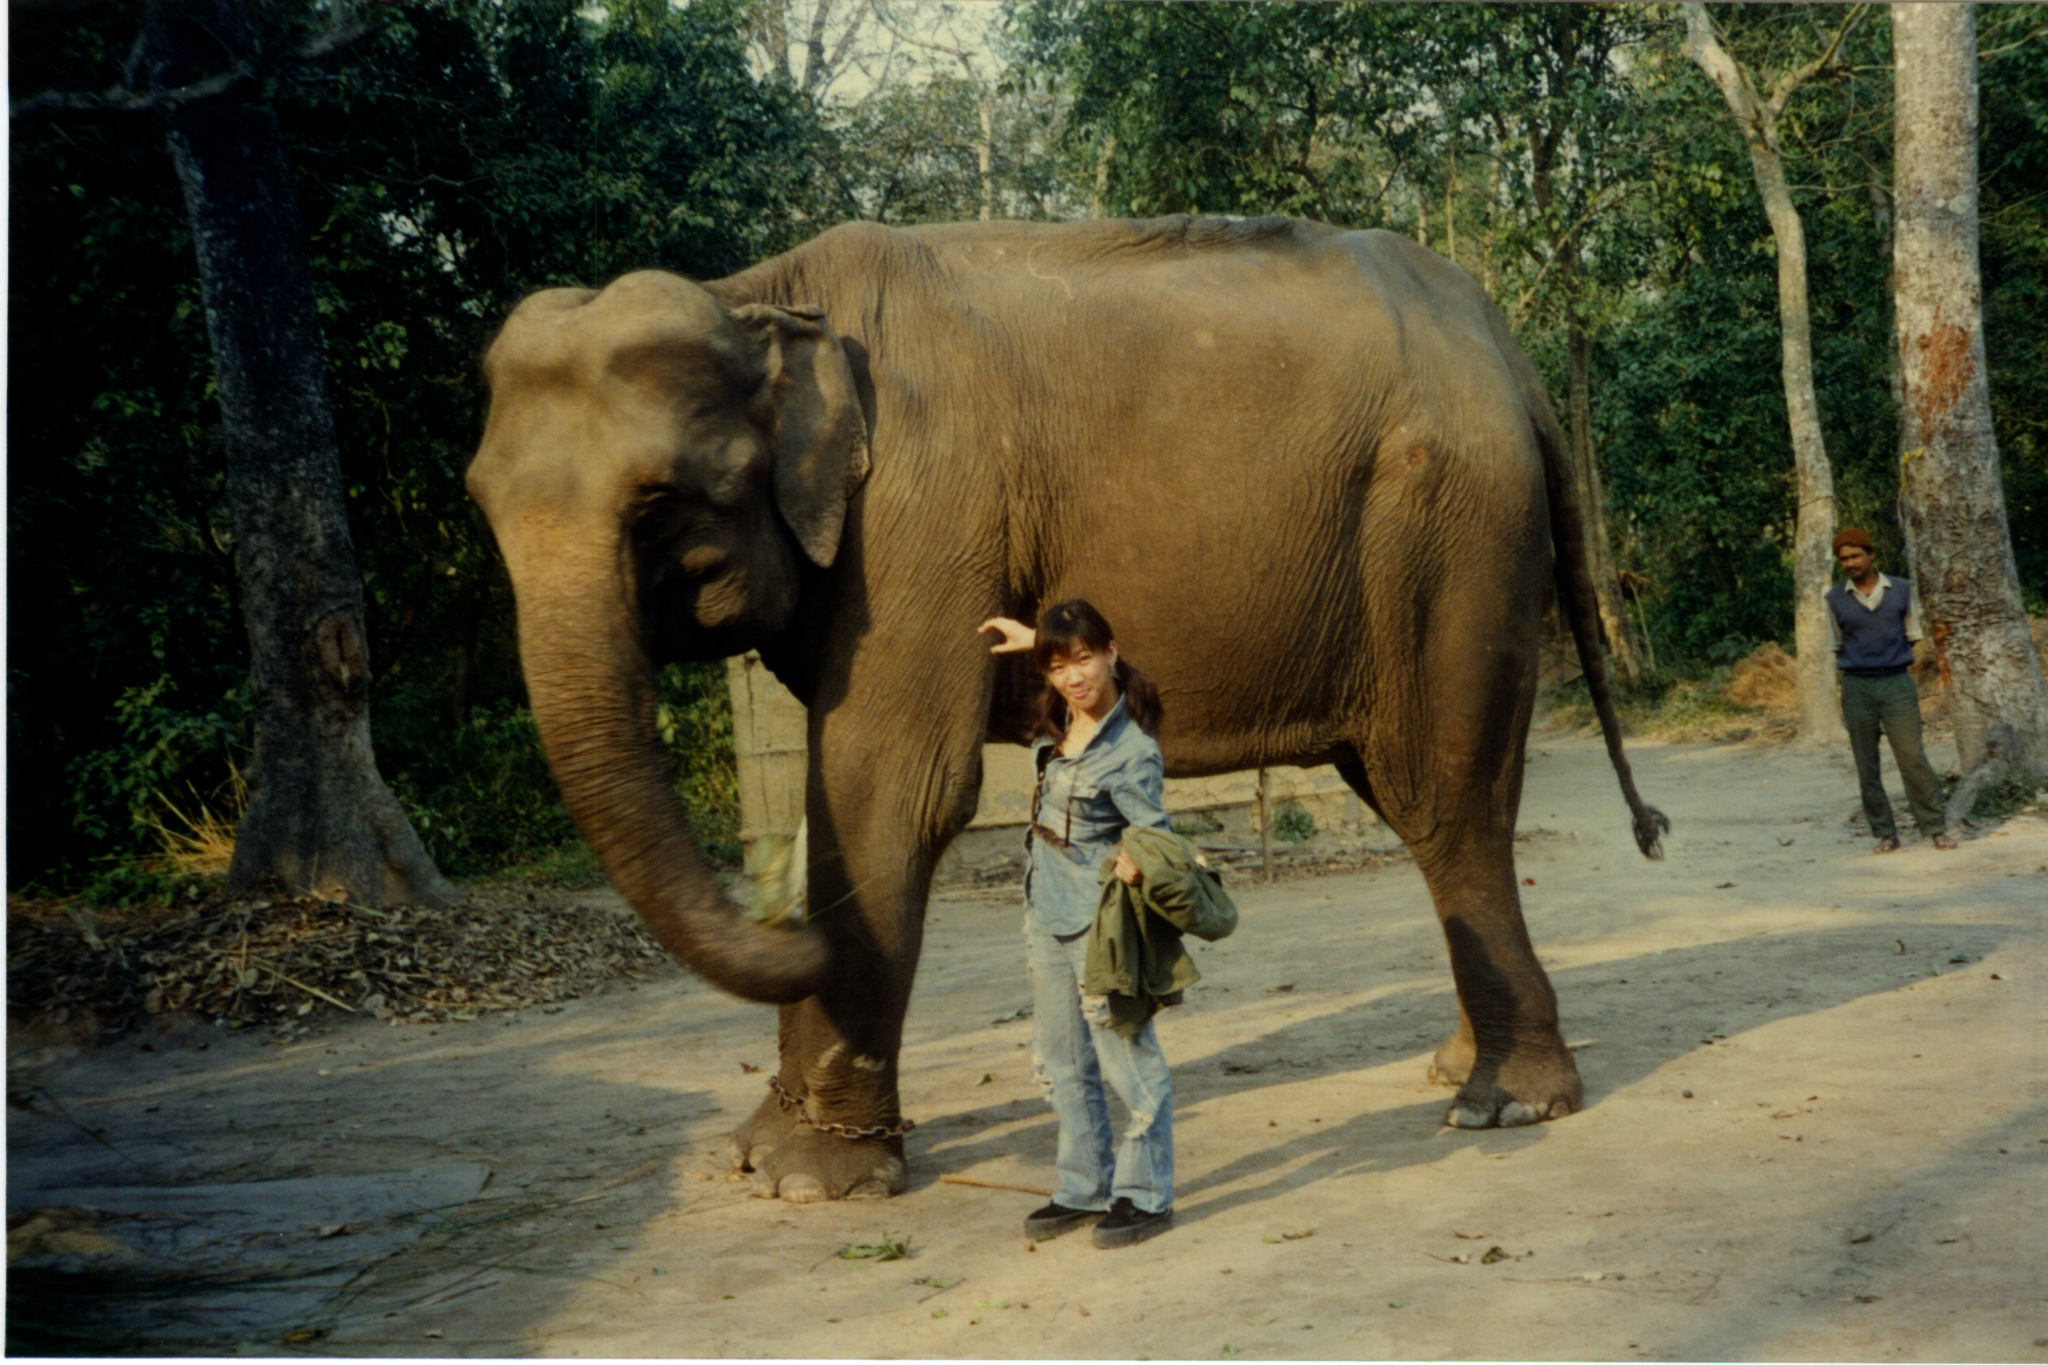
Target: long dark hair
{"type": "Point", "coordinates": [1061, 627]}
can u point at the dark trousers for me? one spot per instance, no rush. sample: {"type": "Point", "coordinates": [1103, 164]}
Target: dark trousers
{"type": "Point", "coordinates": [1890, 706]}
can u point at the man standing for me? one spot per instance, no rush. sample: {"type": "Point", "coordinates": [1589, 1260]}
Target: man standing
{"type": "Point", "coordinates": [1873, 621]}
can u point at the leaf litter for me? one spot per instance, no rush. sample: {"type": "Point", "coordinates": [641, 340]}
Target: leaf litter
{"type": "Point", "coordinates": [887, 1248]}
{"type": "Point", "coordinates": [277, 961]}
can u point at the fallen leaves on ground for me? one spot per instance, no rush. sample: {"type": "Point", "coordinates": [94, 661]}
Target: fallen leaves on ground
{"type": "Point", "coordinates": [886, 1249]}
{"type": "Point", "coordinates": [277, 961]}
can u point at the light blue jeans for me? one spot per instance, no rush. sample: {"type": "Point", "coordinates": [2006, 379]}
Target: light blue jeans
{"type": "Point", "coordinates": [1073, 1051]}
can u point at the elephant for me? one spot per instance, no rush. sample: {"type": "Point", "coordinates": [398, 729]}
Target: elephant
{"type": "Point", "coordinates": [1305, 470]}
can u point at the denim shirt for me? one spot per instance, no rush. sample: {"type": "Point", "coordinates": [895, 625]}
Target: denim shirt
{"type": "Point", "coordinates": [1116, 781]}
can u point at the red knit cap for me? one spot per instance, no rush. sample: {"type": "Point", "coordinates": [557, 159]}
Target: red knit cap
{"type": "Point", "coordinates": [1853, 535]}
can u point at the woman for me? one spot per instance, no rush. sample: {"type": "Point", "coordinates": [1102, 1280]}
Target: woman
{"type": "Point", "coordinates": [1099, 773]}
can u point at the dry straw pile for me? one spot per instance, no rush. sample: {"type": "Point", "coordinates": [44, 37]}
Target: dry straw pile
{"type": "Point", "coordinates": [1767, 679]}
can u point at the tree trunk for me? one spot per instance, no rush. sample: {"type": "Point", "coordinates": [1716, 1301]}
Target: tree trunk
{"type": "Point", "coordinates": [985, 154]}
{"type": "Point", "coordinates": [1881, 221]}
{"type": "Point", "coordinates": [1492, 208]}
{"type": "Point", "coordinates": [1451, 209]}
{"type": "Point", "coordinates": [1813, 560]}
{"type": "Point", "coordinates": [1102, 161]}
{"type": "Point", "coordinates": [1593, 497]}
{"type": "Point", "coordinates": [319, 817]}
{"type": "Point", "coordinates": [1949, 477]}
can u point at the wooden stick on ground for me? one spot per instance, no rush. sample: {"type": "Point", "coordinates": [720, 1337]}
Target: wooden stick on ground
{"type": "Point", "coordinates": [993, 1185]}
{"type": "Point", "coordinates": [310, 990]}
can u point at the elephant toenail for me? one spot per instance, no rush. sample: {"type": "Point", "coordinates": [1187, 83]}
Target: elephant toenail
{"type": "Point", "coordinates": [803, 1189]}
{"type": "Point", "coordinates": [764, 1185]}
{"type": "Point", "coordinates": [1559, 1108]}
{"type": "Point", "coordinates": [1468, 1116]}
{"type": "Point", "coordinates": [1515, 1114]}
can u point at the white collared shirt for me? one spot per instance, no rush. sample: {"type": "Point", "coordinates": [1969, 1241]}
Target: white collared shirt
{"type": "Point", "coordinates": [1870, 602]}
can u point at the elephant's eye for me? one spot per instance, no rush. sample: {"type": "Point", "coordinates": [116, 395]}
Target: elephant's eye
{"type": "Point", "coordinates": [703, 560]}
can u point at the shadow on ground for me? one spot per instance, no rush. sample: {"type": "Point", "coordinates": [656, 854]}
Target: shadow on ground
{"type": "Point", "coordinates": [589, 1171]}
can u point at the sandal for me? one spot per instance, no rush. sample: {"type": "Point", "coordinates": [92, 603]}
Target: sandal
{"type": "Point", "coordinates": [1888, 844]}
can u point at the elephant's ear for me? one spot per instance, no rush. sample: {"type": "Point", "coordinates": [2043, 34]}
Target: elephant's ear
{"type": "Point", "coordinates": [813, 409]}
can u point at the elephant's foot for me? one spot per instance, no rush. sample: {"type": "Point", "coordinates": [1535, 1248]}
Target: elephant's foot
{"type": "Point", "coordinates": [1531, 1084]}
{"type": "Point", "coordinates": [1453, 1061]}
{"type": "Point", "coordinates": [791, 1161]}
{"type": "Point", "coordinates": [770, 1124]}
{"type": "Point", "coordinates": [808, 1167]}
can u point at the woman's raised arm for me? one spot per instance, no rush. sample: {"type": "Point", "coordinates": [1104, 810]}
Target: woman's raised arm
{"type": "Point", "coordinates": [1017, 637]}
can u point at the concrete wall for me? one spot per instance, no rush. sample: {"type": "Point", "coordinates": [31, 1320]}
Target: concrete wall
{"type": "Point", "coordinates": [769, 742]}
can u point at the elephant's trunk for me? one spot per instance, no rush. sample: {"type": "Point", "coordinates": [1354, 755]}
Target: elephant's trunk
{"type": "Point", "coordinates": [593, 695]}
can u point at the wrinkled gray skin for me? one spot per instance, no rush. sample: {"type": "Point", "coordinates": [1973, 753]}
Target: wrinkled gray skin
{"type": "Point", "coordinates": [1306, 472]}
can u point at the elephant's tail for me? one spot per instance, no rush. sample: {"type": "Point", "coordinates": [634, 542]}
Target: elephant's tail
{"type": "Point", "coordinates": [1575, 596]}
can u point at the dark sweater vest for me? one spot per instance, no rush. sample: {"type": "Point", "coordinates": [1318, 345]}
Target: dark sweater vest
{"type": "Point", "coordinates": [1874, 643]}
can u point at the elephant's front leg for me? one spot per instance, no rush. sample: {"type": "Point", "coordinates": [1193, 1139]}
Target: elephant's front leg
{"type": "Point", "coordinates": [788, 1155]}
{"type": "Point", "coordinates": [887, 792]}
{"type": "Point", "coordinates": [831, 1124]}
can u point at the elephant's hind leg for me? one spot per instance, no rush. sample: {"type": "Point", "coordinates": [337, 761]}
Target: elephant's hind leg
{"type": "Point", "coordinates": [1453, 1061]}
{"type": "Point", "coordinates": [1507, 1056]}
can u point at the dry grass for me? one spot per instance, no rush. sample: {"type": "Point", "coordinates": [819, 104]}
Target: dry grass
{"type": "Point", "coordinates": [1767, 681]}
{"type": "Point", "coordinates": [200, 844]}
{"type": "Point", "coordinates": [1757, 699]}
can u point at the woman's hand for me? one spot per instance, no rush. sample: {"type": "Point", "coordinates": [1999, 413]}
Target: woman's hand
{"type": "Point", "coordinates": [1127, 871]}
{"type": "Point", "coordinates": [1017, 637]}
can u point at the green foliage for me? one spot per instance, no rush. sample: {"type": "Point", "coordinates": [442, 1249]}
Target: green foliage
{"type": "Point", "coordinates": [571, 864]}
{"type": "Point", "coordinates": [694, 719]}
{"type": "Point", "coordinates": [141, 881]}
{"type": "Point", "coordinates": [453, 158]}
{"type": "Point", "coordinates": [479, 794]}
{"type": "Point", "coordinates": [1292, 824]}
{"type": "Point", "coordinates": [1230, 108]}
{"type": "Point", "coordinates": [2013, 220]}
{"type": "Point", "coordinates": [461, 153]}
{"type": "Point", "coordinates": [2007, 797]}
{"type": "Point", "coordinates": [160, 747]}
{"type": "Point", "coordinates": [883, 1248]}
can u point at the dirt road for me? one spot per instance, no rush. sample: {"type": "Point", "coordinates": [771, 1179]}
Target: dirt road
{"type": "Point", "coordinates": [1816, 1126]}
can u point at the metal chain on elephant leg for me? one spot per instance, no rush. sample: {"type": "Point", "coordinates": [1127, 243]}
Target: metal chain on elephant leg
{"type": "Point", "coordinates": [785, 1100]}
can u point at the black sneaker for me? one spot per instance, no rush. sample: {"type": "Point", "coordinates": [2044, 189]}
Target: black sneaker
{"type": "Point", "coordinates": [1054, 1219]}
{"type": "Point", "coordinates": [1126, 1225]}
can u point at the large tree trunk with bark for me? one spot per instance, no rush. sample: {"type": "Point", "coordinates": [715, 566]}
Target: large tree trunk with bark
{"type": "Point", "coordinates": [320, 818]}
{"type": "Point", "coordinates": [1950, 492]}
{"type": "Point", "coordinates": [1813, 560]}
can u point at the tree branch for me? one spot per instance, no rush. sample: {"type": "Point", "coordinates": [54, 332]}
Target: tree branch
{"type": "Point", "coordinates": [121, 100]}
{"type": "Point", "coordinates": [345, 28]}
{"type": "Point", "coordinates": [1789, 83]}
